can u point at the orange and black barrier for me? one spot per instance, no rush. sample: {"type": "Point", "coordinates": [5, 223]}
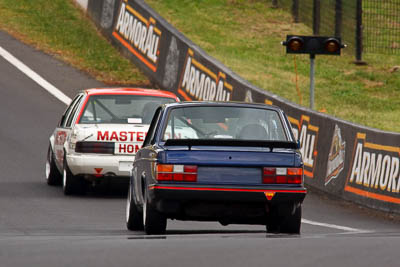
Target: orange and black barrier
{"type": "Point", "coordinates": [343, 159]}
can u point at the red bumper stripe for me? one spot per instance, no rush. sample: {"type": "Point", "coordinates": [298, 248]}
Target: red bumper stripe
{"type": "Point", "coordinates": [224, 189]}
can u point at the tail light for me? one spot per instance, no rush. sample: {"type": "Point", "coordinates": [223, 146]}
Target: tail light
{"type": "Point", "coordinates": [178, 173]}
{"type": "Point", "coordinates": [282, 175]}
{"type": "Point", "coordinates": [95, 147]}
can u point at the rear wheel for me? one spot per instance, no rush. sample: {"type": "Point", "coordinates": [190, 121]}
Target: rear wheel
{"type": "Point", "coordinates": [134, 218]}
{"type": "Point", "coordinates": [292, 223]}
{"type": "Point", "coordinates": [155, 223]}
{"type": "Point", "coordinates": [53, 176]}
{"type": "Point", "coordinates": [72, 184]}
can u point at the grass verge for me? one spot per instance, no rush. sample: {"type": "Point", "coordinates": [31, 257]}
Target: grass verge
{"type": "Point", "coordinates": [245, 35]}
{"type": "Point", "coordinates": [60, 28]}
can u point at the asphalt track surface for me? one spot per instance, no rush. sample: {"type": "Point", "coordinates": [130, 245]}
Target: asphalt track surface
{"type": "Point", "coordinates": [39, 226]}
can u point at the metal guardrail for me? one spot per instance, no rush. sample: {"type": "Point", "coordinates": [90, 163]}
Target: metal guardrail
{"type": "Point", "coordinates": [350, 161]}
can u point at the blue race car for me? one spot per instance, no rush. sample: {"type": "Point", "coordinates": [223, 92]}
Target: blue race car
{"type": "Point", "coordinates": [235, 163]}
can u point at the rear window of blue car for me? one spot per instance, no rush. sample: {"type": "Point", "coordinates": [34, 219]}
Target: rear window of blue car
{"type": "Point", "coordinates": [224, 122]}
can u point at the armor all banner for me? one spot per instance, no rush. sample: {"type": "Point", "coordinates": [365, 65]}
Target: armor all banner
{"type": "Point", "coordinates": [340, 158]}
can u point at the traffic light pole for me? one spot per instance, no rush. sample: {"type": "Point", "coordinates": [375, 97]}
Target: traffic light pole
{"type": "Point", "coordinates": [313, 45]}
{"type": "Point", "coordinates": [312, 85]}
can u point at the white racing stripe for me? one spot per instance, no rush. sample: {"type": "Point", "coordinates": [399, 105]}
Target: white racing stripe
{"type": "Point", "coordinates": [334, 226]}
{"type": "Point", "coordinates": [35, 77]}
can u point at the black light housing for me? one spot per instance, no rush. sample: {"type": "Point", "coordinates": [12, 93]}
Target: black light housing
{"type": "Point", "coordinates": [316, 45]}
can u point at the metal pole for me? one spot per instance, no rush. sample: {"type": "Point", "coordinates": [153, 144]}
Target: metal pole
{"type": "Point", "coordinates": [338, 18]}
{"type": "Point", "coordinates": [312, 74]}
{"type": "Point", "coordinates": [316, 16]}
{"type": "Point", "coordinates": [359, 34]}
{"type": "Point", "coordinates": [295, 11]}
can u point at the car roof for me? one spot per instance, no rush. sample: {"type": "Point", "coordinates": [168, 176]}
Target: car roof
{"type": "Point", "coordinates": [129, 91]}
{"type": "Point", "coordinates": [225, 104]}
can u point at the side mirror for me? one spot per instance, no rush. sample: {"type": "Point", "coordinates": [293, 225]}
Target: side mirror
{"type": "Point", "coordinates": [298, 144]}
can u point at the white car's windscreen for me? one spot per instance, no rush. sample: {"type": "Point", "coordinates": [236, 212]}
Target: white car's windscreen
{"type": "Point", "coordinates": [134, 109]}
{"type": "Point", "coordinates": [210, 122]}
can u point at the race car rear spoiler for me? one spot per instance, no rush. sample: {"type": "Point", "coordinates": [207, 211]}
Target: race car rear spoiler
{"type": "Point", "coordinates": [231, 142]}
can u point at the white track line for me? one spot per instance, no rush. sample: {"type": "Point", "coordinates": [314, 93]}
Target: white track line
{"type": "Point", "coordinates": [335, 226]}
{"type": "Point", "coordinates": [35, 77]}
{"type": "Point", "coordinates": [66, 100]}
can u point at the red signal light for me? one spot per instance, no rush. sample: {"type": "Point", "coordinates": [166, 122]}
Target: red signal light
{"type": "Point", "coordinates": [332, 45]}
{"type": "Point", "coordinates": [295, 44]}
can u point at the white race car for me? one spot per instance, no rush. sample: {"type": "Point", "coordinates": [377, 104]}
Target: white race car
{"type": "Point", "coordinates": [98, 135]}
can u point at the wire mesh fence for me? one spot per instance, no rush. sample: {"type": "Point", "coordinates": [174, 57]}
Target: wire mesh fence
{"type": "Point", "coordinates": [381, 20]}
{"type": "Point", "coordinates": [369, 26]}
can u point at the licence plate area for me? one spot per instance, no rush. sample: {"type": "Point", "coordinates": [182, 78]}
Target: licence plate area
{"type": "Point", "coordinates": [126, 148]}
{"type": "Point", "coordinates": [229, 175]}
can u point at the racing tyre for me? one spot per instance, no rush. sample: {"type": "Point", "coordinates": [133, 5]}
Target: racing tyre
{"type": "Point", "coordinates": [272, 225]}
{"type": "Point", "coordinates": [53, 176]}
{"type": "Point", "coordinates": [155, 223]}
{"type": "Point", "coordinates": [292, 223]}
{"type": "Point", "coordinates": [134, 218]}
{"type": "Point", "coordinates": [72, 184]}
